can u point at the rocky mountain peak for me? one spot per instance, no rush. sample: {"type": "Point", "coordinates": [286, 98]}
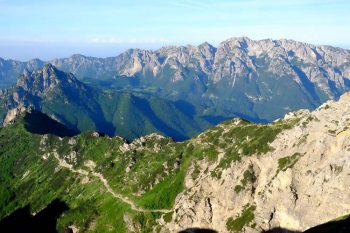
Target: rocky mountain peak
{"type": "Point", "coordinates": [77, 56]}
{"type": "Point", "coordinates": [207, 50]}
{"type": "Point", "coordinates": [238, 39]}
{"type": "Point", "coordinates": [205, 45]}
{"type": "Point", "coordinates": [26, 72]}
{"type": "Point", "coordinates": [235, 44]}
{"type": "Point", "coordinates": [40, 78]}
{"type": "Point", "coordinates": [49, 70]}
{"type": "Point", "coordinates": [45, 79]}
{"type": "Point", "coordinates": [34, 64]}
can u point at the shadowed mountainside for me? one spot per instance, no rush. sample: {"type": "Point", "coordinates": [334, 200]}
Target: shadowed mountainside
{"type": "Point", "coordinates": [23, 221]}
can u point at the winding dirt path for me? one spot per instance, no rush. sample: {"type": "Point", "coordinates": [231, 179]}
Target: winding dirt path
{"type": "Point", "coordinates": [91, 165]}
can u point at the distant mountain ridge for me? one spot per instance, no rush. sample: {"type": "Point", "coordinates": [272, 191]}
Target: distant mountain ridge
{"type": "Point", "coordinates": [231, 57]}
{"type": "Point", "coordinates": [256, 80]}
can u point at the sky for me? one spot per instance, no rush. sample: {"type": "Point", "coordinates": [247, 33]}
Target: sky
{"type": "Point", "coordinates": [48, 29]}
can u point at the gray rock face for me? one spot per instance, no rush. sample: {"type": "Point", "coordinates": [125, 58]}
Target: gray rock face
{"type": "Point", "coordinates": [43, 80]}
{"type": "Point", "coordinates": [326, 67]}
{"type": "Point", "coordinates": [301, 183]}
{"type": "Point", "coordinates": [13, 114]}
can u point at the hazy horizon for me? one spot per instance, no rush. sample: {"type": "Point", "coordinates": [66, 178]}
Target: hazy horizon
{"type": "Point", "coordinates": [53, 29]}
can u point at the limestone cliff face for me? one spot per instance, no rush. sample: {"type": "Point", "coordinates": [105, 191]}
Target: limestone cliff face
{"type": "Point", "coordinates": [13, 114]}
{"type": "Point", "coordinates": [323, 66]}
{"type": "Point", "coordinates": [302, 182]}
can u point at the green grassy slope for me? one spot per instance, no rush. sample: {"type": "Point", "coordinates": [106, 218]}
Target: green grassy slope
{"type": "Point", "coordinates": [149, 173]}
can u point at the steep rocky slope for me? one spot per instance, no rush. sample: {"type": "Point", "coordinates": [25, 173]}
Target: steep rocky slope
{"type": "Point", "coordinates": [236, 177]}
{"type": "Point", "coordinates": [299, 183]}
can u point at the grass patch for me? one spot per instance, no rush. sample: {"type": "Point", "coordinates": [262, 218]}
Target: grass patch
{"type": "Point", "coordinates": [245, 218]}
{"type": "Point", "coordinates": [252, 139]}
{"type": "Point", "coordinates": [163, 195]}
{"type": "Point", "coordinates": [287, 162]}
{"type": "Point", "coordinates": [168, 217]}
{"type": "Point", "coordinates": [196, 172]}
{"type": "Point", "coordinates": [248, 178]}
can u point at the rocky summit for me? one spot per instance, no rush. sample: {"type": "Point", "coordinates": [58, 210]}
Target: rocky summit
{"type": "Point", "coordinates": [291, 175]}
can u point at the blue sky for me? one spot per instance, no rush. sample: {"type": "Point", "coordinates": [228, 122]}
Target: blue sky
{"type": "Point", "coordinates": [48, 29]}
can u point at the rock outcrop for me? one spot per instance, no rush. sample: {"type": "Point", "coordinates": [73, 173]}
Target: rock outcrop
{"type": "Point", "coordinates": [13, 114]}
{"type": "Point", "coordinates": [302, 182]}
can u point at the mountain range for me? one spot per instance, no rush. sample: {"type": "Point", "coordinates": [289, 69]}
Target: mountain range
{"type": "Point", "coordinates": [256, 80]}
